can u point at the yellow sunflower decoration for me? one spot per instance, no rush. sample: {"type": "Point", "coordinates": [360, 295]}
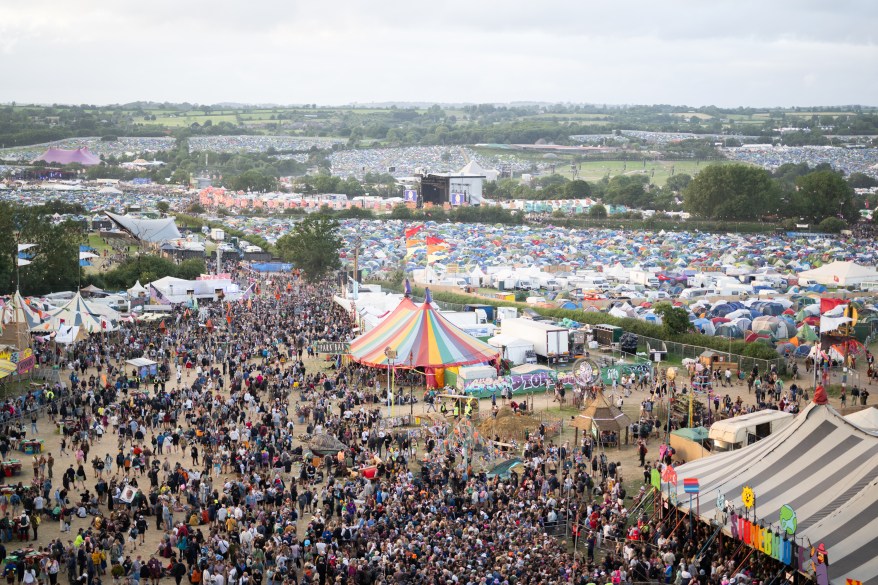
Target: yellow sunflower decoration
{"type": "Point", "coordinates": [748, 497]}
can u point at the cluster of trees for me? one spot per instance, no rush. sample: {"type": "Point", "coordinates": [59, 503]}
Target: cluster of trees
{"type": "Point", "coordinates": [380, 184]}
{"type": "Point", "coordinates": [634, 191]}
{"type": "Point", "coordinates": [743, 192]}
{"type": "Point", "coordinates": [312, 246]}
{"type": "Point", "coordinates": [145, 268]}
{"type": "Point", "coordinates": [54, 261]}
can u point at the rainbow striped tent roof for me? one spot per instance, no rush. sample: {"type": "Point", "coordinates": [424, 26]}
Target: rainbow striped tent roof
{"type": "Point", "coordinates": [422, 337]}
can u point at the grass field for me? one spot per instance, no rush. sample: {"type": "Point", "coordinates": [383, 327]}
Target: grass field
{"type": "Point", "coordinates": [657, 171]}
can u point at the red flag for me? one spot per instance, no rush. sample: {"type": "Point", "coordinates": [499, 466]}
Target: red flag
{"type": "Point", "coordinates": [162, 325]}
{"type": "Point", "coordinates": [412, 231]}
{"type": "Point", "coordinates": [229, 319]}
{"type": "Point", "coordinates": [209, 324]}
{"type": "Point", "coordinates": [434, 241]}
{"type": "Point", "coordinates": [827, 305]}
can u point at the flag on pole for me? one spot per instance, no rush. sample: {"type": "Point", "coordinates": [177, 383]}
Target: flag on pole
{"type": "Point", "coordinates": [23, 247]}
{"type": "Point", "coordinates": [162, 325]}
{"type": "Point", "coordinates": [23, 262]}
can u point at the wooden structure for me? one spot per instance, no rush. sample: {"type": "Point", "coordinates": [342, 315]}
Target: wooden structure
{"type": "Point", "coordinates": [603, 420]}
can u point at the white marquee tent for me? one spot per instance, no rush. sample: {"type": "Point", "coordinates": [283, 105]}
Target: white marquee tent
{"type": "Point", "coordinates": [841, 274]}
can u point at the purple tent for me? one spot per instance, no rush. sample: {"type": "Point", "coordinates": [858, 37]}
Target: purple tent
{"type": "Point", "coordinates": [66, 157]}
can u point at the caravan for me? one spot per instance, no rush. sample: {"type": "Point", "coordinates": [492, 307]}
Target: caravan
{"type": "Point", "coordinates": [740, 431]}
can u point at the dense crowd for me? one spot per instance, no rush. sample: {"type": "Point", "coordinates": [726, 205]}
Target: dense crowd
{"type": "Point", "coordinates": [252, 468]}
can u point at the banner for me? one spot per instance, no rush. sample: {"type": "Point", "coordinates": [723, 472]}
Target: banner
{"type": "Point", "coordinates": [611, 373]}
{"type": "Point", "coordinates": [26, 361]}
{"type": "Point", "coordinates": [157, 297]}
{"type": "Point", "coordinates": [517, 383]}
{"type": "Point", "coordinates": [410, 196]}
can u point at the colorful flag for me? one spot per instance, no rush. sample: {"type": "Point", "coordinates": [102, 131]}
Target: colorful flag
{"type": "Point", "coordinates": [436, 248]}
{"type": "Point", "coordinates": [827, 305]}
{"type": "Point", "coordinates": [412, 231]}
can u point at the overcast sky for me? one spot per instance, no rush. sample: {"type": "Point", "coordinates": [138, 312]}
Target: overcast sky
{"type": "Point", "coordinates": [698, 52]}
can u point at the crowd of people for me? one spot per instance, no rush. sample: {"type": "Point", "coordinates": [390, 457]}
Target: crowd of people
{"type": "Point", "coordinates": [248, 462]}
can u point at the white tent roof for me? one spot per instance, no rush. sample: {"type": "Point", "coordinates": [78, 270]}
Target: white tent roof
{"type": "Point", "coordinates": [865, 419]}
{"type": "Point", "coordinates": [140, 362]}
{"type": "Point", "coordinates": [822, 466]}
{"type": "Point", "coordinates": [147, 230]}
{"type": "Point", "coordinates": [841, 274]}
{"type": "Point", "coordinates": [136, 290]}
{"type": "Point", "coordinates": [509, 341]}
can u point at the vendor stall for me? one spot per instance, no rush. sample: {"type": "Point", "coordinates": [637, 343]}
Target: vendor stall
{"type": "Point", "coordinates": [31, 447]}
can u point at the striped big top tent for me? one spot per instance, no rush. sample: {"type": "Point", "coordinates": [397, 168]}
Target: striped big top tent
{"type": "Point", "coordinates": [824, 468]}
{"type": "Point", "coordinates": [422, 338]}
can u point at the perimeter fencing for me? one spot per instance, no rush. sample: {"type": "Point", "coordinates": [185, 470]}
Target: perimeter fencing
{"type": "Point", "coordinates": [684, 351]}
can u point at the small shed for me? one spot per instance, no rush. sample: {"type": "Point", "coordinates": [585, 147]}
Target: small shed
{"type": "Point", "coordinates": [716, 361]}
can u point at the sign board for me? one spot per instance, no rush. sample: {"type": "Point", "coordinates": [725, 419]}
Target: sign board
{"type": "Point", "coordinates": [609, 374]}
{"type": "Point", "coordinates": [655, 479]}
{"type": "Point", "coordinates": [788, 520]}
{"type": "Point", "coordinates": [128, 494]}
{"type": "Point", "coordinates": [690, 485]}
{"type": "Point", "coordinates": [25, 361]}
{"type": "Point", "coordinates": [517, 383]}
{"type": "Point", "coordinates": [457, 198]}
{"type": "Point", "coordinates": [410, 195]}
{"type": "Point", "coordinates": [333, 347]}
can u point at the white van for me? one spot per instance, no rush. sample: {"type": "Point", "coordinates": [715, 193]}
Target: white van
{"type": "Point", "coordinates": [455, 282]}
{"type": "Point", "coordinates": [740, 431]}
{"type": "Point", "coordinates": [694, 293]}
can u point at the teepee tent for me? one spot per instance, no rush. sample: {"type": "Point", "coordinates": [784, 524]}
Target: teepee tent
{"type": "Point", "coordinates": [136, 290]}
{"type": "Point", "coordinates": [17, 321]}
{"type": "Point", "coordinates": [78, 312]}
{"type": "Point", "coordinates": [602, 415]}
